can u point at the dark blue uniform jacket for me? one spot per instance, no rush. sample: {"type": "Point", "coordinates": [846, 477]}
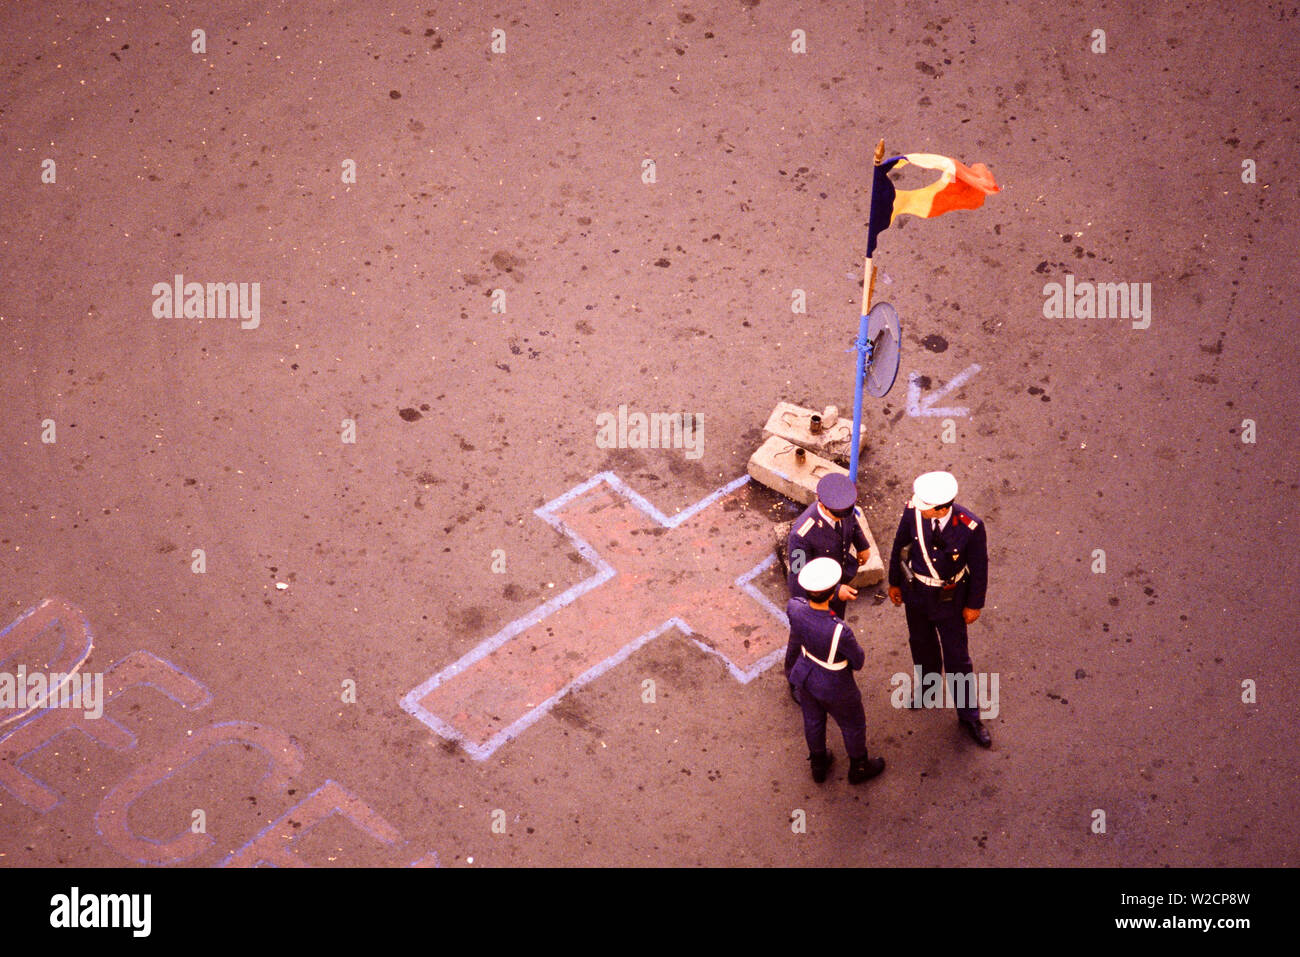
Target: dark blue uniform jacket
{"type": "Point", "coordinates": [961, 543]}
{"type": "Point", "coordinates": [811, 536]}
{"type": "Point", "coordinates": [814, 630]}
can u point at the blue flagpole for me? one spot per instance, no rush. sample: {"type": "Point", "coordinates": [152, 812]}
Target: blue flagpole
{"type": "Point", "coordinates": [862, 348]}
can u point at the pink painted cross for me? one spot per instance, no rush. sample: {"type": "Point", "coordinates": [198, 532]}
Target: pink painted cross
{"type": "Point", "coordinates": [693, 571]}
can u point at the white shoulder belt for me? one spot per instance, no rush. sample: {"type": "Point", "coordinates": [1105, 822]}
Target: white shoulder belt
{"type": "Point", "coordinates": [835, 643]}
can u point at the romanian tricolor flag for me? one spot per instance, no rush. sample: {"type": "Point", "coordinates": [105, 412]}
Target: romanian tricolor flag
{"type": "Point", "coordinates": [958, 187]}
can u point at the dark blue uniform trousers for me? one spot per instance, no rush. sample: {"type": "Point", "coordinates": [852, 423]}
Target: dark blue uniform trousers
{"type": "Point", "coordinates": [822, 692]}
{"type": "Point", "coordinates": [936, 633]}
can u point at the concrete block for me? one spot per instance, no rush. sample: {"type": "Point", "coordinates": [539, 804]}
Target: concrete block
{"type": "Point", "coordinates": [781, 538]}
{"type": "Point", "coordinates": [873, 572]}
{"type": "Point", "coordinates": [793, 424]}
{"type": "Point", "coordinates": [777, 465]}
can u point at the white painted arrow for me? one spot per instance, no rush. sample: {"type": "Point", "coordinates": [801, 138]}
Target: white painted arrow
{"type": "Point", "coordinates": [925, 407]}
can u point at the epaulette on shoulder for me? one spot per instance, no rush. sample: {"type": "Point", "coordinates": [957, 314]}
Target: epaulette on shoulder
{"type": "Point", "coordinates": [806, 527]}
{"type": "Point", "coordinates": [968, 520]}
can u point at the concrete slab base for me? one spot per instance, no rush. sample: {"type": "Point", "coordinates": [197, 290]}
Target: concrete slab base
{"type": "Point", "coordinates": [778, 465]}
{"type": "Point", "coordinates": [793, 424]}
{"type": "Point", "coordinates": [873, 572]}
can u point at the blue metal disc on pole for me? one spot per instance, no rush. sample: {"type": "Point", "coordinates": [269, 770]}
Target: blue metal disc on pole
{"type": "Point", "coordinates": [885, 338]}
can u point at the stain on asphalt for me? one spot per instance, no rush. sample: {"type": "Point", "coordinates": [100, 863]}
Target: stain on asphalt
{"type": "Point", "coordinates": [505, 262]}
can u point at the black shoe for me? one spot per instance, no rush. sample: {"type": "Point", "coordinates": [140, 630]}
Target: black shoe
{"type": "Point", "coordinates": [864, 768]}
{"type": "Point", "coordinates": [821, 763]}
{"type": "Point", "coordinates": [977, 731]}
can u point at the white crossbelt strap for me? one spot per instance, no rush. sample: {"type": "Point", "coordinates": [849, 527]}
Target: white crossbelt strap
{"type": "Point", "coordinates": [920, 540]}
{"type": "Point", "coordinates": [835, 643]}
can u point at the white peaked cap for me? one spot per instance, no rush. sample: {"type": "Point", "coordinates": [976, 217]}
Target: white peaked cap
{"type": "Point", "coordinates": [933, 488]}
{"type": "Point", "coordinates": [820, 574]}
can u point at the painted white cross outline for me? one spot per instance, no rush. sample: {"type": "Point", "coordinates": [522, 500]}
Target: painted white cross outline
{"type": "Point", "coordinates": [414, 701]}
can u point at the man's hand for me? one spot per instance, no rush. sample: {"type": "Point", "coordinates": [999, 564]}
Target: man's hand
{"type": "Point", "coordinates": [895, 594]}
{"type": "Point", "coordinates": [848, 593]}
{"type": "Point", "coordinates": [863, 557]}
{"type": "Point", "coordinates": [970, 614]}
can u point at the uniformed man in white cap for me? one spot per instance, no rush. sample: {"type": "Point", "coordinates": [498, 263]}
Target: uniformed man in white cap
{"type": "Point", "coordinates": [819, 662]}
{"type": "Point", "coordinates": [939, 569]}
